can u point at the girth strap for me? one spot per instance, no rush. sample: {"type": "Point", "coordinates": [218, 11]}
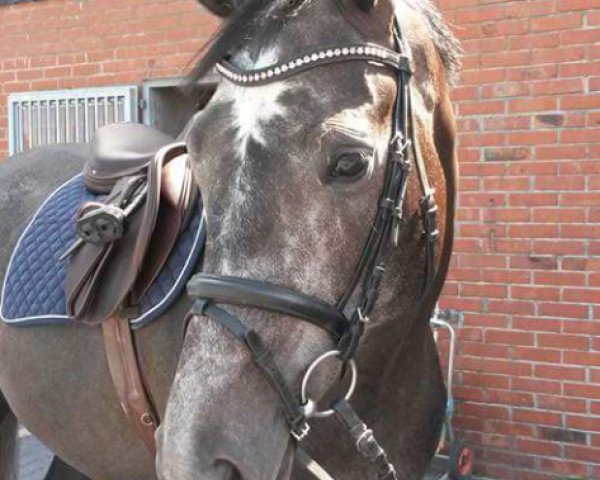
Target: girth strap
{"type": "Point", "coordinates": [127, 379]}
{"type": "Point", "coordinates": [262, 356]}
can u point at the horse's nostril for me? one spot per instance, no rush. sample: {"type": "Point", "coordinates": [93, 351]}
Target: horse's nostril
{"type": "Point", "coordinates": [227, 470]}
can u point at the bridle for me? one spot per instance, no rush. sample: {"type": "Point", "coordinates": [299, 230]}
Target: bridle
{"type": "Point", "coordinates": [209, 290]}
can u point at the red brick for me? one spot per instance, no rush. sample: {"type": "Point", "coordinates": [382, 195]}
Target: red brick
{"type": "Point", "coordinates": [532, 105]}
{"type": "Point", "coordinates": [484, 350]}
{"type": "Point", "coordinates": [505, 276]}
{"type": "Point", "coordinates": [536, 417]}
{"type": "Point", "coordinates": [484, 411]}
{"type": "Point", "coordinates": [534, 293]}
{"type": "Point", "coordinates": [587, 423]}
{"type": "Point", "coordinates": [533, 168]}
{"type": "Point", "coordinates": [582, 358]}
{"type": "Point", "coordinates": [509, 428]}
{"type": "Point", "coordinates": [559, 152]}
{"type": "Point", "coordinates": [485, 380]}
{"type": "Point", "coordinates": [557, 22]}
{"type": "Point", "coordinates": [581, 295]}
{"type": "Point", "coordinates": [563, 467]}
{"type": "Point", "coordinates": [558, 215]}
{"type": "Point", "coordinates": [535, 354]}
{"type": "Point", "coordinates": [559, 279]}
{"type": "Point", "coordinates": [561, 404]}
{"type": "Point", "coordinates": [589, 327]}
{"type": "Point", "coordinates": [533, 199]}
{"type": "Point", "coordinates": [547, 449]}
{"type": "Point", "coordinates": [536, 324]}
{"type": "Point", "coordinates": [509, 337]}
{"type": "Point", "coordinates": [511, 306]}
{"type": "Point", "coordinates": [580, 390]}
{"type": "Point", "coordinates": [558, 86]}
{"type": "Point", "coordinates": [536, 385]}
{"type": "Point", "coordinates": [533, 262]}
{"type": "Point", "coordinates": [586, 454]}
{"type": "Point", "coordinates": [559, 372]}
{"type": "Point", "coordinates": [495, 366]}
{"type": "Point", "coordinates": [563, 342]}
{"type": "Point", "coordinates": [532, 230]}
{"type": "Point", "coordinates": [483, 290]}
{"type": "Point", "coordinates": [559, 183]}
{"type": "Point", "coordinates": [558, 247]}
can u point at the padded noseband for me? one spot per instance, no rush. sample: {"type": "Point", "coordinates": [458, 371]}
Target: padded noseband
{"type": "Point", "coordinates": [267, 296]}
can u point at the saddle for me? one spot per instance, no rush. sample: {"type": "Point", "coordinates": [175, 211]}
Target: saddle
{"type": "Point", "coordinates": [125, 240]}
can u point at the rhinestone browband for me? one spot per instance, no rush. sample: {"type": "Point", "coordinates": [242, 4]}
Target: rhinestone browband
{"type": "Point", "coordinates": [365, 52]}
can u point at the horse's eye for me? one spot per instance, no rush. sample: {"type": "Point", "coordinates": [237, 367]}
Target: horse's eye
{"type": "Point", "coordinates": [349, 166]}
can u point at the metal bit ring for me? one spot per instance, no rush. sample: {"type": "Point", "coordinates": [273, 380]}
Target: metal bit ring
{"type": "Point", "coordinates": [310, 405]}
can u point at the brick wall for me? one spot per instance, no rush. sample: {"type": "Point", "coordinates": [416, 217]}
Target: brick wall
{"type": "Point", "coordinates": [58, 44]}
{"type": "Point", "coordinates": [526, 273]}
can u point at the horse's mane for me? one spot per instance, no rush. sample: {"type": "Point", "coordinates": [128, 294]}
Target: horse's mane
{"type": "Point", "coordinates": [254, 17]}
{"type": "Point", "coordinates": [447, 44]}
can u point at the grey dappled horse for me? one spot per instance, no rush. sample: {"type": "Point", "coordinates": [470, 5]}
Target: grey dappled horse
{"type": "Point", "coordinates": [264, 161]}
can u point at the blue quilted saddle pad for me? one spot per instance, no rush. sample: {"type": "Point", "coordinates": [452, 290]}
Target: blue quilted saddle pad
{"type": "Point", "coordinates": [34, 286]}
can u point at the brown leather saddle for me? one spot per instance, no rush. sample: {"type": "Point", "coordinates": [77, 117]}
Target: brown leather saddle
{"type": "Point", "coordinates": [124, 241]}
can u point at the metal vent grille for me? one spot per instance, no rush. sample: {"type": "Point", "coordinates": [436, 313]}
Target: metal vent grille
{"type": "Point", "coordinates": [67, 116]}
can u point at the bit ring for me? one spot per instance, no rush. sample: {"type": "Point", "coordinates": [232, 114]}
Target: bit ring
{"type": "Point", "coordinates": [310, 405]}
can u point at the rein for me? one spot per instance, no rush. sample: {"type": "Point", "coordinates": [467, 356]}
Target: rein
{"type": "Point", "coordinates": [346, 331]}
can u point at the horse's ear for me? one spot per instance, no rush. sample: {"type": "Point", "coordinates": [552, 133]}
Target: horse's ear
{"type": "Point", "coordinates": [367, 5]}
{"type": "Point", "coordinates": [221, 8]}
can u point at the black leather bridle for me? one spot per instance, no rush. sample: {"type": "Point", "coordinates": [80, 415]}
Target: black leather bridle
{"type": "Point", "coordinates": [210, 290]}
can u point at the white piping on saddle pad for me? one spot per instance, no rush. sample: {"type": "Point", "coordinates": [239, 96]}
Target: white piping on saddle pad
{"type": "Point", "coordinates": [140, 321]}
{"type": "Point", "coordinates": [16, 249]}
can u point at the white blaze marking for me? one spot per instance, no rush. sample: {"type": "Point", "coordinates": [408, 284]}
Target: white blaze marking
{"type": "Point", "coordinates": [252, 109]}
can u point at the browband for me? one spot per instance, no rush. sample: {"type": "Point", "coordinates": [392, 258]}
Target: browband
{"type": "Point", "coordinates": [252, 293]}
{"type": "Point", "coordinates": [365, 53]}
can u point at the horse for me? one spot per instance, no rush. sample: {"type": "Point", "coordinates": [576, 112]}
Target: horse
{"type": "Point", "coordinates": [291, 173]}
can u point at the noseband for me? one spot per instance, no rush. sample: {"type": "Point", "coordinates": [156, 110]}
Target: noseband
{"type": "Point", "coordinates": [346, 330]}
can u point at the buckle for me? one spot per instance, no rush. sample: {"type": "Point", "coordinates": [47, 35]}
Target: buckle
{"type": "Point", "coordinates": [300, 431]}
{"type": "Point", "coordinates": [401, 146]}
{"type": "Point", "coordinates": [404, 64]}
{"type": "Point", "coordinates": [362, 317]}
{"type": "Point", "coordinates": [430, 211]}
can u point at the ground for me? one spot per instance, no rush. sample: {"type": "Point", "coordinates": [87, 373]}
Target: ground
{"type": "Point", "coordinates": [34, 458]}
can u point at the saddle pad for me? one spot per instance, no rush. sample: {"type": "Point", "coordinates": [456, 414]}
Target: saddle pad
{"type": "Point", "coordinates": [33, 291]}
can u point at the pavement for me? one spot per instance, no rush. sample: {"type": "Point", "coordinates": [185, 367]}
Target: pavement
{"type": "Point", "coordinates": [34, 457]}
{"type": "Point", "coordinates": [35, 460]}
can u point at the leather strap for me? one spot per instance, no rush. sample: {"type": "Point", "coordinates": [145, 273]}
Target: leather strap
{"type": "Point", "coordinates": [127, 379]}
{"type": "Point", "coordinates": [365, 441]}
{"type": "Point", "coordinates": [263, 357]}
{"type": "Point", "coordinates": [252, 293]}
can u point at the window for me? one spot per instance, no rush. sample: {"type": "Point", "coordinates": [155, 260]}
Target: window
{"type": "Point", "coordinates": [67, 116]}
{"type": "Point", "coordinates": [167, 109]}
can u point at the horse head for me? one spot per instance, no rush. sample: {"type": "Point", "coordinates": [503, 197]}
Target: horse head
{"type": "Point", "coordinates": [292, 155]}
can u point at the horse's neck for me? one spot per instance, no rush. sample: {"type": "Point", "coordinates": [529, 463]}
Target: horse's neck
{"type": "Point", "coordinates": [392, 363]}
{"type": "Point", "coordinates": [400, 390]}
